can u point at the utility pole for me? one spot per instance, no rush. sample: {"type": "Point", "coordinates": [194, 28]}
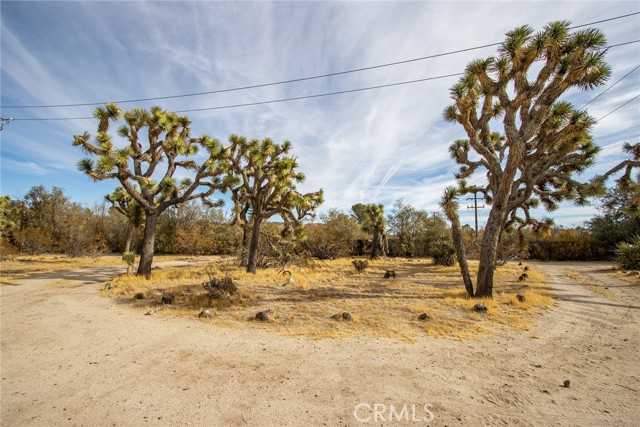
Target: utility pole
{"type": "Point", "coordinates": [475, 208]}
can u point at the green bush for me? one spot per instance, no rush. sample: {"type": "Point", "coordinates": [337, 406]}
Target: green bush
{"type": "Point", "coordinates": [444, 254]}
{"type": "Point", "coordinates": [628, 254]}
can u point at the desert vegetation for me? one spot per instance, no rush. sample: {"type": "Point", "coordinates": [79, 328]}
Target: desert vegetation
{"type": "Point", "coordinates": [308, 304]}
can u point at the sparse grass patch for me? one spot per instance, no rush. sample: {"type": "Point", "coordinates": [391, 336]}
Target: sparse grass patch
{"type": "Point", "coordinates": [379, 307]}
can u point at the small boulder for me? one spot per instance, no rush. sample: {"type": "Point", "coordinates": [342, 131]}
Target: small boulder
{"type": "Point", "coordinates": [521, 298]}
{"type": "Point", "coordinates": [108, 287]}
{"type": "Point", "coordinates": [480, 308]}
{"type": "Point", "coordinates": [346, 316]}
{"type": "Point", "coordinates": [523, 277]}
{"type": "Point", "coordinates": [205, 313]}
{"type": "Point", "coordinates": [526, 268]}
{"type": "Point", "coordinates": [168, 298]}
{"type": "Point", "coordinates": [424, 316]}
{"type": "Point", "coordinates": [138, 295]}
{"type": "Point", "coordinates": [265, 315]}
{"type": "Point", "coordinates": [390, 274]}
{"type": "Point", "coordinates": [566, 383]}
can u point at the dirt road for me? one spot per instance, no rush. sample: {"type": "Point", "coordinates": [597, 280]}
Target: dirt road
{"type": "Point", "coordinates": [72, 357]}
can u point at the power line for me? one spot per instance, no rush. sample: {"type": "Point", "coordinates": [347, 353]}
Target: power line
{"type": "Point", "coordinates": [616, 109]}
{"type": "Point", "coordinates": [605, 91]}
{"type": "Point", "coordinates": [355, 70]}
{"type": "Point", "coordinates": [248, 104]}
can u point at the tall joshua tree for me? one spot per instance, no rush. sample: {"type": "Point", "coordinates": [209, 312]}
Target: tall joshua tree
{"type": "Point", "coordinates": [157, 145]}
{"type": "Point", "coordinates": [371, 220]}
{"type": "Point", "coordinates": [265, 179]}
{"type": "Point", "coordinates": [543, 140]}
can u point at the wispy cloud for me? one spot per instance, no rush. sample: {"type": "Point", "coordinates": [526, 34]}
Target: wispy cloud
{"type": "Point", "coordinates": [374, 146]}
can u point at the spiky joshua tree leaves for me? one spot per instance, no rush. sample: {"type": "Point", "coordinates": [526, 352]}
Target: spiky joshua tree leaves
{"type": "Point", "coordinates": [264, 180]}
{"type": "Point", "coordinates": [543, 141]}
{"type": "Point", "coordinates": [152, 146]}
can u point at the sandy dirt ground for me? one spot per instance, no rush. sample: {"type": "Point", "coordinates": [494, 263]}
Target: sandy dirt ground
{"type": "Point", "coordinates": [71, 357]}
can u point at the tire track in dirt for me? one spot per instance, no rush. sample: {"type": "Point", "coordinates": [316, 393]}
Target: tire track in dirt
{"type": "Point", "coordinates": [72, 357]}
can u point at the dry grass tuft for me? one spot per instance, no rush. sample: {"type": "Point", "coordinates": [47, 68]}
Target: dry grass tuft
{"type": "Point", "coordinates": [379, 307]}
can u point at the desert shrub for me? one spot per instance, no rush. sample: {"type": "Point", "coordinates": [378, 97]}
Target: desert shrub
{"type": "Point", "coordinates": [628, 254]}
{"type": "Point", "coordinates": [360, 264]}
{"type": "Point", "coordinates": [220, 289]}
{"type": "Point", "coordinates": [567, 245]}
{"type": "Point", "coordinates": [444, 254]}
{"type": "Point", "coordinates": [334, 237]}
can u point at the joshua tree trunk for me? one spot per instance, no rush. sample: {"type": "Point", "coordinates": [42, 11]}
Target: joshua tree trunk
{"type": "Point", "coordinates": [129, 238]}
{"type": "Point", "coordinates": [246, 241]}
{"type": "Point", "coordinates": [253, 247]}
{"type": "Point", "coordinates": [458, 243]}
{"type": "Point", "coordinates": [146, 256]}
{"type": "Point", "coordinates": [489, 250]}
{"type": "Point", "coordinates": [377, 240]}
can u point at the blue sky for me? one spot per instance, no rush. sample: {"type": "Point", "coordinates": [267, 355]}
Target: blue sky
{"type": "Point", "coordinates": [373, 146]}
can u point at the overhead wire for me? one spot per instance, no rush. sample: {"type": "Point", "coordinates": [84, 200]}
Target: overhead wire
{"type": "Point", "coordinates": [355, 70]}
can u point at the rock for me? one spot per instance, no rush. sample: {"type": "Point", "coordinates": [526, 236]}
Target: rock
{"type": "Point", "coordinates": [480, 308]}
{"type": "Point", "coordinates": [168, 298]}
{"type": "Point", "coordinates": [265, 315]}
{"type": "Point", "coordinates": [520, 263]}
{"type": "Point", "coordinates": [526, 268]}
{"type": "Point", "coordinates": [346, 316]}
{"type": "Point", "coordinates": [566, 383]}
{"type": "Point", "coordinates": [390, 274]}
{"type": "Point", "coordinates": [205, 313]}
{"type": "Point", "coordinates": [138, 295]}
{"type": "Point", "coordinates": [525, 287]}
{"type": "Point", "coordinates": [523, 277]}
{"type": "Point", "coordinates": [521, 298]}
{"type": "Point", "coordinates": [108, 286]}
{"type": "Point", "coordinates": [149, 313]}
{"type": "Point", "coordinates": [424, 316]}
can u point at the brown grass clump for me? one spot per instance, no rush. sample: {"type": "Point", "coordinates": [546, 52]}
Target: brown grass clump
{"type": "Point", "coordinates": [379, 307]}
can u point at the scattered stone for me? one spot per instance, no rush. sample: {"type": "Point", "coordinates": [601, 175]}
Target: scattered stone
{"type": "Point", "coordinates": [149, 313]}
{"type": "Point", "coordinates": [168, 298]}
{"type": "Point", "coordinates": [537, 366]}
{"type": "Point", "coordinates": [346, 316]}
{"type": "Point", "coordinates": [138, 295]}
{"type": "Point", "coordinates": [390, 274]}
{"type": "Point", "coordinates": [523, 277]}
{"type": "Point", "coordinates": [265, 316]}
{"type": "Point", "coordinates": [424, 316]}
{"type": "Point", "coordinates": [480, 308]}
{"type": "Point", "coordinates": [520, 263]}
{"type": "Point", "coordinates": [566, 383]}
{"type": "Point", "coordinates": [108, 286]}
{"type": "Point", "coordinates": [205, 313]}
{"type": "Point", "coordinates": [521, 298]}
{"type": "Point", "coordinates": [526, 268]}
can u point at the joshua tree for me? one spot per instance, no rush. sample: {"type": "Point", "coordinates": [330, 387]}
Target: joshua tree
{"type": "Point", "coordinates": [450, 206]}
{"type": "Point", "coordinates": [158, 143]}
{"type": "Point", "coordinates": [265, 179]}
{"type": "Point", "coordinates": [371, 219]}
{"type": "Point", "coordinates": [122, 202]}
{"type": "Point", "coordinates": [544, 140]}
